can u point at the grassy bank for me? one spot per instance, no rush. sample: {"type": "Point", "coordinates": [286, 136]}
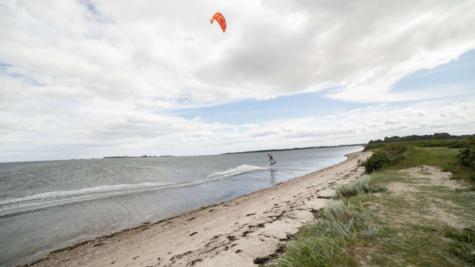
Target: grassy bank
{"type": "Point", "coordinates": [441, 157]}
{"type": "Point", "coordinates": [406, 214]}
{"type": "Point", "coordinates": [403, 155]}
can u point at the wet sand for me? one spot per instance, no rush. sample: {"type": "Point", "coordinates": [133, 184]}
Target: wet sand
{"type": "Point", "coordinates": [239, 232]}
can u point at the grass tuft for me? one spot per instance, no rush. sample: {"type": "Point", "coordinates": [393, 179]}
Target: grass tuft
{"type": "Point", "coordinates": [325, 244]}
{"type": "Point", "coordinates": [463, 246]}
{"type": "Point", "coordinates": [364, 184]}
{"type": "Point", "coordinates": [466, 236]}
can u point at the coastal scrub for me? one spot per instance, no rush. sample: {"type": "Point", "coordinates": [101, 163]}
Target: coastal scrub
{"type": "Point", "coordinates": [418, 219]}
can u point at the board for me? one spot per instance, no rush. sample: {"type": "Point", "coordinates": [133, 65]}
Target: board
{"type": "Point", "coordinates": [273, 163]}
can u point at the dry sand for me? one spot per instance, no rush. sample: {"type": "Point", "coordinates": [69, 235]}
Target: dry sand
{"type": "Point", "coordinates": [238, 232]}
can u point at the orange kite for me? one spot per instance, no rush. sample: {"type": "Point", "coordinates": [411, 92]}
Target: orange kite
{"type": "Point", "coordinates": [220, 19]}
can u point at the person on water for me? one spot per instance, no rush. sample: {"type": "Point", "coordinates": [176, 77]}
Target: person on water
{"type": "Point", "coordinates": [271, 159]}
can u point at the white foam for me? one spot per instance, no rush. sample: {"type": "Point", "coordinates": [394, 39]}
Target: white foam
{"type": "Point", "coordinates": [81, 192]}
{"type": "Point", "coordinates": [235, 171]}
{"type": "Point", "coordinates": [59, 196]}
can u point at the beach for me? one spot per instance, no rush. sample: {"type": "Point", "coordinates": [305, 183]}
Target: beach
{"type": "Point", "coordinates": [238, 232]}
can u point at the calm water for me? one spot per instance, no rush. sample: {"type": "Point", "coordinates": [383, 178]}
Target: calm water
{"type": "Point", "coordinates": [45, 206]}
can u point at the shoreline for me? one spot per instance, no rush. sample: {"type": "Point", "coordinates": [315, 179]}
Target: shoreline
{"type": "Point", "coordinates": [240, 230]}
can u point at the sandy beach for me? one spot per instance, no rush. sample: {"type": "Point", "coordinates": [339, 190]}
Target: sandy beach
{"type": "Point", "coordinates": [238, 232]}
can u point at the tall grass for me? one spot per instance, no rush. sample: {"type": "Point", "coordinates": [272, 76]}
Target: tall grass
{"type": "Point", "coordinates": [325, 244]}
{"type": "Point", "coordinates": [364, 184]}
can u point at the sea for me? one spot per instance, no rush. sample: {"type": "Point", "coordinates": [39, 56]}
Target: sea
{"type": "Point", "coordinates": [48, 205]}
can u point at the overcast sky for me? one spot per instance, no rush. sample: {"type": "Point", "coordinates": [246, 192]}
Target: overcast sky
{"type": "Point", "coordinates": [87, 79]}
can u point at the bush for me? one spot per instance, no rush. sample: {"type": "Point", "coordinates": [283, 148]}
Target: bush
{"type": "Point", "coordinates": [377, 161]}
{"type": "Point", "coordinates": [467, 154]}
{"type": "Point", "coordinates": [458, 144]}
{"type": "Point", "coordinates": [385, 156]}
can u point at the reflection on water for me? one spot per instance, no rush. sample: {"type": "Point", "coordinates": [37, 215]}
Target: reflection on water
{"type": "Point", "coordinates": [272, 177]}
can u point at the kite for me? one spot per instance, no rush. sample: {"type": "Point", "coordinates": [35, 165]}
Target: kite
{"type": "Point", "coordinates": [220, 19]}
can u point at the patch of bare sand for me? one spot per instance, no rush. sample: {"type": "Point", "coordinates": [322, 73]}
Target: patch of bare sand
{"type": "Point", "coordinates": [232, 233]}
{"type": "Point", "coordinates": [434, 175]}
{"type": "Point", "coordinates": [401, 188]}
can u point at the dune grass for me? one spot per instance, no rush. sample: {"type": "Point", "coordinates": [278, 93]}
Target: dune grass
{"type": "Point", "coordinates": [364, 184]}
{"type": "Point", "coordinates": [325, 244]}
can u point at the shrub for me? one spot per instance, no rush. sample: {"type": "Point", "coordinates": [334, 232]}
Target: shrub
{"type": "Point", "coordinates": [385, 156]}
{"type": "Point", "coordinates": [467, 154]}
{"type": "Point", "coordinates": [458, 144]}
{"type": "Point", "coordinates": [378, 160]}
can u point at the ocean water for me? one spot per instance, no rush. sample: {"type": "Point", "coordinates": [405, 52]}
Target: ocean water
{"type": "Point", "coordinates": [48, 205]}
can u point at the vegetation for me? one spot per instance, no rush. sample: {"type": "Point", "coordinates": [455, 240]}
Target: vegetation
{"type": "Point", "coordinates": [436, 136]}
{"type": "Point", "coordinates": [451, 143]}
{"type": "Point", "coordinates": [444, 158]}
{"type": "Point", "coordinates": [418, 224]}
{"type": "Point", "coordinates": [364, 184]}
{"type": "Point", "coordinates": [325, 244]}
{"type": "Point", "coordinates": [467, 154]}
{"type": "Point", "coordinates": [385, 156]}
{"type": "Point", "coordinates": [443, 153]}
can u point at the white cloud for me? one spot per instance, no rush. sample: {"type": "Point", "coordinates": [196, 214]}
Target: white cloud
{"type": "Point", "coordinates": [89, 77]}
{"type": "Point", "coordinates": [117, 131]}
{"type": "Point", "coordinates": [164, 51]}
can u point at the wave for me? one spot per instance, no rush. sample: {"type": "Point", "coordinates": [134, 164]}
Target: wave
{"type": "Point", "coordinates": [81, 192]}
{"type": "Point", "coordinates": [107, 190]}
{"type": "Point", "coordinates": [236, 171]}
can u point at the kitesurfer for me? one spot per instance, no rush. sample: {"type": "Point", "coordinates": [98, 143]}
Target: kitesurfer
{"type": "Point", "coordinates": [271, 159]}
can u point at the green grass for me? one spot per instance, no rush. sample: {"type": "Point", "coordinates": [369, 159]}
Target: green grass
{"type": "Point", "coordinates": [412, 234]}
{"type": "Point", "coordinates": [442, 157]}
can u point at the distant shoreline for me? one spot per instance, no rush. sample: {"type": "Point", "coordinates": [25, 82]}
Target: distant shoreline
{"type": "Point", "coordinates": [135, 157]}
{"type": "Point", "coordinates": [167, 156]}
{"type": "Point", "coordinates": [289, 149]}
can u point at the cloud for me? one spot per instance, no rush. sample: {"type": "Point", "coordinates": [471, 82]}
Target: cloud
{"type": "Point", "coordinates": [115, 50]}
{"type": "Point", "coordinates": [98, 76]}
{"type": "Point", "coordinates": [115, 130]}
{"type": "Point", "coordinates": [419, 113]}
{"type": "Point", "coordinates": [392, 121]}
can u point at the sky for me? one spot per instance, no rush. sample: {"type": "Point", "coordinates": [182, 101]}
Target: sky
{"type": "Point", "coordinates": [87, 79]}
